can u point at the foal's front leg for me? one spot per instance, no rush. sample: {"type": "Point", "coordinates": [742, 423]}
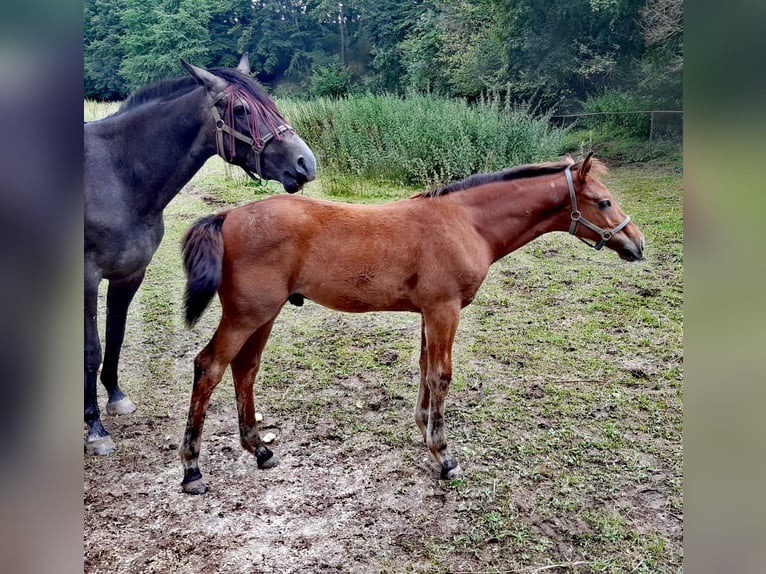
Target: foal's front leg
{"type": "Point", "coordinates": [244, 368]}
{"type": "Point", "coordinates": [439, 327]}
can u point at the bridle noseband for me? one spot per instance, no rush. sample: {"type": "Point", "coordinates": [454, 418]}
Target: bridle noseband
{"type": "Point", "coordinates": [577, 218]}
{"type": "Point", "coordinates": [221, 128]}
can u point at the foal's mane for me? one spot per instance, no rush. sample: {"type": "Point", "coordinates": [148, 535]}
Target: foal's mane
{"type": "Point", "coordinates": [510, 174]}
{"type": "Point", "coordinates": [172, 88]}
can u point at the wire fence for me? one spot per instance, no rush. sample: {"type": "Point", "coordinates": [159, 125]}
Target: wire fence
{"type": "Point", "coordinates": [653, 125]}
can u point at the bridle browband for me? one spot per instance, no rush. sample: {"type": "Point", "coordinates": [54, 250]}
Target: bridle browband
{"type": "Point", "coordinates": [258, 145]}
{"type": "Point", "coordinates": [577, 218]}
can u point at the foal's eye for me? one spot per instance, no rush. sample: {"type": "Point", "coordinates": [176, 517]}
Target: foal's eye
{"type": "Point", "coordinates": [604, 203]}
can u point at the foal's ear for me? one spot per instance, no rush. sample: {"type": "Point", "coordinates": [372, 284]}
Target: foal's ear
{"type": "Point", "coordinates": [244, 64]}
{"type": "Point", "coordinates": [212, 82]}
{"type": "Point", "coordinates": [587, 163]}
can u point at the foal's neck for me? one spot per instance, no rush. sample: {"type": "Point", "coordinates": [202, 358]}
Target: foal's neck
{"type": "Point", "coordinates": [510, 214]}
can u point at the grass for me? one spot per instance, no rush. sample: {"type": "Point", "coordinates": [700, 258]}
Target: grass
{"type": "Point", "coordinates": [566, 406]}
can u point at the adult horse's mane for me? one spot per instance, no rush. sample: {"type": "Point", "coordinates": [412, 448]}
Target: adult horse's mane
{"type": "Point", "coordinates": [509, 174]}
{"type": "Point", "coordinates": [175, 87]}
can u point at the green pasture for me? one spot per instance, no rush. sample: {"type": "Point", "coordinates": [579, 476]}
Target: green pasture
{"type": "Point", "coordinates": [566, 404]}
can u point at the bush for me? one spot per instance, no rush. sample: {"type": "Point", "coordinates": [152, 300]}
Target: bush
{"type": "Point", "coordinates": [331, 81]}
{"type": "Point", "coordinates": [419, 140]}
{"type": "Point", "coordinates": [620, 119]}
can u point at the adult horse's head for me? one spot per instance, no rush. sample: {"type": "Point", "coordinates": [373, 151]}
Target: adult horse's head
{"type": "Point", "coordinates": [250, 131]}
{"type": "Point", "coordinates": [595, 217]}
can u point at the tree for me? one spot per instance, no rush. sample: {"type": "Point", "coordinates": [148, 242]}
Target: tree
{"type": "Point", "coordinates": [662, 27]}
{"type": "Point", "coordinates": [102, 51]}
{"type": "Point", "coordinates": [160, 32]}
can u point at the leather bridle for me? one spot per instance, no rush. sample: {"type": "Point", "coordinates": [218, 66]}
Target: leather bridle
{"type": "Point", "coordinates": [257, 144]}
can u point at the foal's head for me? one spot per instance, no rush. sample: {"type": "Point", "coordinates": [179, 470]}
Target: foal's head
{"type": "Point", "coordinates": [249, 129]}
{"type": "Point", "coordinates": [595, 216]}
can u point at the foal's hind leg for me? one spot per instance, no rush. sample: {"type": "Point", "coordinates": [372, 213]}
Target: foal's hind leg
{"type": "Point", "coordinates": [244, 368]}
{"type": "Point", "coordinates": [422, 407]}
{"type": "Point", "coordinates": [440, 327]}
{"type": "Point", "coordinates": [209, 366]}
{"type": "Point", "coordinates": [118, 297]}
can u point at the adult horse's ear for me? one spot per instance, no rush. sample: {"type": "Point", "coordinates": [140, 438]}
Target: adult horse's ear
{"type": "Point", "coordinates": [244, 64]}
{"type": "Point", "coordinates": [212, 82]}
{"type": "Point", "coordinates": [582, 173]}
{"type": "Point", "coordinates": [567, 159]}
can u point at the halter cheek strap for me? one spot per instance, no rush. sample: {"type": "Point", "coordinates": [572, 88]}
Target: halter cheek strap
{"type": "Point", "coordinates": [577, 219]}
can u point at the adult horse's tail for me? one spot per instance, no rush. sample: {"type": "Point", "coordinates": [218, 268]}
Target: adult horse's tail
{"type": "Point", "coordinates": [202, 251]}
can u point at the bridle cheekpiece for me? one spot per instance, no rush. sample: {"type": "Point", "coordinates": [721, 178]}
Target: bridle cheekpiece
{"type": "Point", "coordinates": [258, 144]}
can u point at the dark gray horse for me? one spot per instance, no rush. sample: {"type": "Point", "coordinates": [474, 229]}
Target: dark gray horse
{"type": "Point", "coordinates": [136, 161]}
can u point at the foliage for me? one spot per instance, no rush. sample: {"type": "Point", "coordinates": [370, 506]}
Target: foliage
{"type": "Point", "coordinates": [332, 80]}
{"type": "Point", "coordinates": [102, 51]}
{"type": "Point", "coordinates": [419, 140]}
{"type": "Point", "coordinates": [620, 119]}
{"type": "Point", "coordinates": [551, 55]}
{"type": "Point", "coordinates": [160, 32]}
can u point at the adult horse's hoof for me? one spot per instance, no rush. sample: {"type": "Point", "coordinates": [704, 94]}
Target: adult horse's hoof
{"type": "Point", "coordinates": [122, 407]}
{"type": "Point", "coordinates": [100, 446]}
{"type": "Point", "coordinates": [451, 473]}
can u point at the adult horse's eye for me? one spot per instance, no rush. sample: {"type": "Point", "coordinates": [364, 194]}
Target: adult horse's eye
{"type": "Point", "coordinates": [604, 203]}
{"type": "Point", "coordinates": [240, 110]}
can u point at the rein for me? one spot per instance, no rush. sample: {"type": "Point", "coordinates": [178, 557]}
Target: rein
{"type": "Point", "coordinates": [577, 218]}
{"type": "Point", "coordinates": [258, 143]}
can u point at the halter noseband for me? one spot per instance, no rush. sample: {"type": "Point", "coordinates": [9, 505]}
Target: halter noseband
{"type": "Point", "coordinates": [222, 127]}
{"type": "Point", "coordinates": [577, 218]}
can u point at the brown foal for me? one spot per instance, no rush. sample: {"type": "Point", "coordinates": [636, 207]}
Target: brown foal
{"type": "Point", "coordinates": [428, 254]}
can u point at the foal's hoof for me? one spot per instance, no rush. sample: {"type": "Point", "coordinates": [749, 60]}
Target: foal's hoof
{"type": "Point", "coordinates": [100, 446]}
{"type": "Point", "coordinates": [194, 487]}
{"type": "Point", "coordinates": [450, 472]}
{"type": "Point", "coordinates": [266, 459]}
{"type": "Point", "coordinates": [122, 407]}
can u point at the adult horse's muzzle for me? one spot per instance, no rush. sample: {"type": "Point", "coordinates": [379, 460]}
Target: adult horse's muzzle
{"type": "Point", "coordinates": [292, 162]}
{"type": "Point", "coordinates": [303, 167]}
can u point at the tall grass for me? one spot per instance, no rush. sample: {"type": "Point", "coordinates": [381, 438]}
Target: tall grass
{"type": "Point", "coordinates": [93, 110]}
{"type": "Point", "coordinates": [419, 140]}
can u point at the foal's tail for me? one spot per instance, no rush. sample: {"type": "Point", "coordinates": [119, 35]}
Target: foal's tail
{"type": "Point", "coordinates": [202, 251]}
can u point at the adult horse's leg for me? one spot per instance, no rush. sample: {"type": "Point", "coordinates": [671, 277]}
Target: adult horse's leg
{"type": "Point", "coordinates": [118, 298]}
{"type": "Point", "coordinates": [97, 441]}
{"type": "Point", "coordinates": [422, 407]}
{"type": "Point", "coordinates": [440, 326]}
{"type": "Point", "coordinates": [244, 368]}
{"type": "Point", "coordinates": [209, 366]}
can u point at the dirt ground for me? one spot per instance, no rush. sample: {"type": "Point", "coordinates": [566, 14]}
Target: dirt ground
{"type": "Point", "coordinates": [337, 501]}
